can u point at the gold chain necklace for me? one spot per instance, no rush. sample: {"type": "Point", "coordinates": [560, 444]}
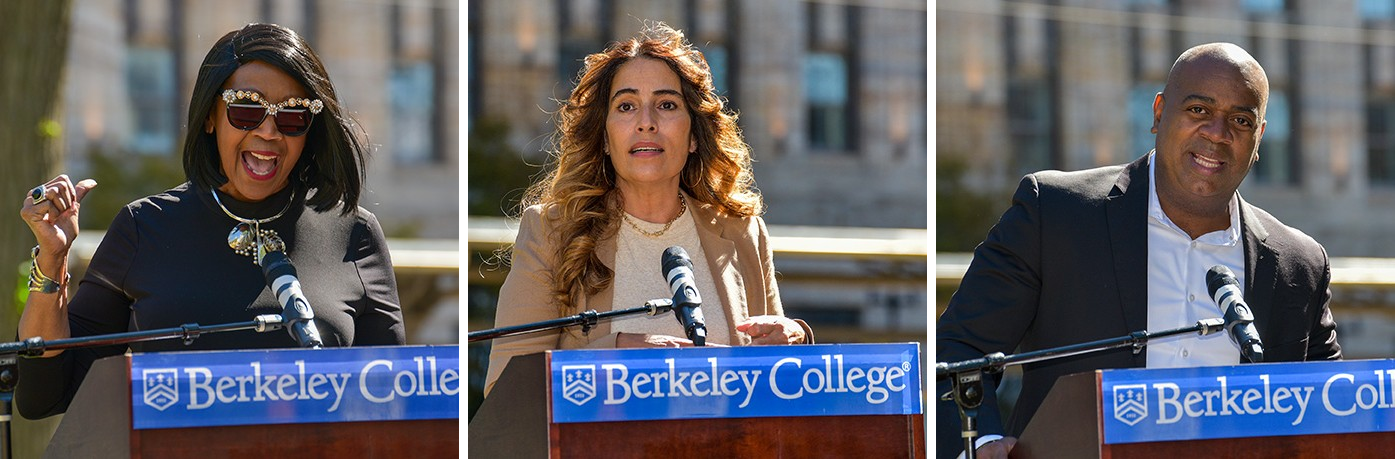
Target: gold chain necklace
{"type": "Point", "coordinates": [682, 208]}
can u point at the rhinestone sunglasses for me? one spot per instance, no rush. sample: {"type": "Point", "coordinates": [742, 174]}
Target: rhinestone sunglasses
{"type": "Point", "coordinates": [247, 110]}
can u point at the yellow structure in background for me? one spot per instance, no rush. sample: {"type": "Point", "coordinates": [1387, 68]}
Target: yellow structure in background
{"type": "Point", "coordinates": [490, 233]}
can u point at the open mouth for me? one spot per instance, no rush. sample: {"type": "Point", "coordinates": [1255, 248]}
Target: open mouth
{"type": "Point", "coordinates": [1206, 163]}
{"type": "Point", "coordinates": [260, 165]}
{"type": "Point", "coordinates": [646, 150]}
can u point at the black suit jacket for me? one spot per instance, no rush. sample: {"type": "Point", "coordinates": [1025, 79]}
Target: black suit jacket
{"type": "Point", "coordinates": [1067, 263]}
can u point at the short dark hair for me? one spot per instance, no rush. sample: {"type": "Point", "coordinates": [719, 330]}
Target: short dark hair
{"type": "Point", "coordinates": [336, 148]}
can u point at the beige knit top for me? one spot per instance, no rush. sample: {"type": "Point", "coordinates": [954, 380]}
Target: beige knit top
{"type": "Point", "coordinates": [638, 278]}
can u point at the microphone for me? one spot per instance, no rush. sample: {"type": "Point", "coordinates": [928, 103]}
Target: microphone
{"type": "Point", "coordinates": [299, 318]}
{"type": "Point", "coordinates": [1239, 321]}
{"type": "Point", "coordinates": [678, 270]}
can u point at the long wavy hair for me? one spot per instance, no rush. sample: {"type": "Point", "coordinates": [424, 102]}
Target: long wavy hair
{"type": "Point", "coordinates": [578, 190]}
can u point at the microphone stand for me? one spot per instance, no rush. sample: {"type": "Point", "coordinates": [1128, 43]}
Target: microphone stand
{"type": "Point", "coordinates": [9, 376]}
{"type": "Point", "coordinates": [967, 376]}
{"type": "Point", "coordinates": [36, 346]}
{"type": "Point", "coordinates": [586, 320]}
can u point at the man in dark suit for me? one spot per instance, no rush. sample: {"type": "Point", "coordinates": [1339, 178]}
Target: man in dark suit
{"type": "Point", "coordinates": [1100, 253]}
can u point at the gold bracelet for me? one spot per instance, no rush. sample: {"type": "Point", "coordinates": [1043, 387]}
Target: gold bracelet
{"type": "Point", "coordinates": [38, 282]}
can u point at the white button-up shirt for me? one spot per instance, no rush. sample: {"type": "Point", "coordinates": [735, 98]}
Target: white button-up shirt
{"type": "Point", "coordinates": [1177, 295]}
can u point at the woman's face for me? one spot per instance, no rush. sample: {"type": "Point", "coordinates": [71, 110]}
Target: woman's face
{"type": "Point", "coordinates": [648, 129]}
{"type": "Point", "coordinates": [258, 163]}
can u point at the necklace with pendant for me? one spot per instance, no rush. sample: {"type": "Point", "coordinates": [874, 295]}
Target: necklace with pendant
{"type": "Point", "coordinates": [248, 238]}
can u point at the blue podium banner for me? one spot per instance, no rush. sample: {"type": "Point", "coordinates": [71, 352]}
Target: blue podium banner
{"type": "Point", "coordinates": [735, 382]}
{"type": "Point", "coordinates": [1272, 399]}
{"type": "Point", "coordinates": [280, 386]}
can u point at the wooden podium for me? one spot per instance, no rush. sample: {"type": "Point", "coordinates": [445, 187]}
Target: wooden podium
{"type": "Point", "coordinates": [98, 424]}
{"type": "Point", "coordinates": [1069, 423]}
{"type": "Point", "coordinates": [515, 422]}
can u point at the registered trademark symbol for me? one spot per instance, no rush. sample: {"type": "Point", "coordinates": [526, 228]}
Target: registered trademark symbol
{"type": "Point", "coordinates": [906, 366]}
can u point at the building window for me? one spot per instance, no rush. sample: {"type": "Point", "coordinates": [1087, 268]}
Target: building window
{"type": "Point", "coordinates": [1380, 139]}
{"type": "Point", "coordinates": [474, 84]}
{"type": "Point", "coordinates": [831, 121]}
{"type": "Point", "coordinates": [1029, 125]}
{"type": "Point", "coordinates": [1276, 159]}
{"type": "Point", "coordinates": [1141, 117]}
{"type": "Point", "coordinates": [1263, 6]}
{"type": "Point", "coordinates": [716, 56]}
{"type": "Point", "coordinates": [150, 85]}
{"type": "Point", "coordinates": [826, 92]}
{"type": "Point", "coordinates": [571, 58]}
{"type": "Point", "coordinates": [1376, 9]}
{"type": "Point", "coordinates": [411, 91]}
{"type": "Point", "coordinates": [469, 76]}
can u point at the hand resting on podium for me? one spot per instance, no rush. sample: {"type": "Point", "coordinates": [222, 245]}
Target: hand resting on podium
{"type": "Point", "coordinates": [762, 330]}
{"type": "Point", "coordinates": [648, 340]}
{"type": "Point", "coordinates": [769, 329]}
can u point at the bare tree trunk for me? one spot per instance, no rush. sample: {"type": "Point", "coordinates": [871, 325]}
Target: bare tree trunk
{"type": "Point", "coordinates": [33, 51]}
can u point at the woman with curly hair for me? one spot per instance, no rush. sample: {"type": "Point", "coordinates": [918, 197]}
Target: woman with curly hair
{"type": "Point", "coordinates": [646, 158]}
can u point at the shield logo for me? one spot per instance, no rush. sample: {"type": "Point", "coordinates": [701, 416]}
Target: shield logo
{"type": "Point", "coordinates": [161, 388]}
{"type": "Point", "coordinates": [578, 383]}
{"type": "Point", "coordinates": [1130, 403]}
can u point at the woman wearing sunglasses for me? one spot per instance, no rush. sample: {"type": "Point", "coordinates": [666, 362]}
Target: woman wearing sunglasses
{"type": "Point", "coordinates": [273, 165]}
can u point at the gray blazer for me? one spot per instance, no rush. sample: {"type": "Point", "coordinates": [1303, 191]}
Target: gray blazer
{"type": "Point", "coordinates": [1066, 264]}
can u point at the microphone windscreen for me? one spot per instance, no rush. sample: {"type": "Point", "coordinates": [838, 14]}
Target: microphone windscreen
{"type": "Point", "coordinates": [674, 257]}
{"type": "Point", "coordinates": [1218, 276]}
{"type": "Point", "coordinates": [276, 264]}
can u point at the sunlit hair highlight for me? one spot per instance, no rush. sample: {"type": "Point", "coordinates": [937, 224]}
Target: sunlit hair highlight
{"type": "Point", "coordinates": [578, 190]}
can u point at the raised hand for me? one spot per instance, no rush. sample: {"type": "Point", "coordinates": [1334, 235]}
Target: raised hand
{"type": "Point", "coordinates": [51, 211]}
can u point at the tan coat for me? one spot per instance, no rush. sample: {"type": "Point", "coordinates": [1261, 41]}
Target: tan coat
{"type": "Point", "coordinates": [738, 255]}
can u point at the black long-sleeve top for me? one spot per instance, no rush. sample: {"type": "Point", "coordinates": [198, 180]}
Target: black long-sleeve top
{"type": "Point", "coordinates": [165, 261]}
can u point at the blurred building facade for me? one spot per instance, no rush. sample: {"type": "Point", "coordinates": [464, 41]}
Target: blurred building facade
{"type": "Point", "coordinates": [132, 64]}
{"type": "Point", "coordinates": [1068, 84]}
{"type": "Point", "coordinates": [831, 96]}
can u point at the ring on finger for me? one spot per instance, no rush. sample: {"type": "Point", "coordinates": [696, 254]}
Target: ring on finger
{"type": "Point", "coordinates": [39, 194]}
